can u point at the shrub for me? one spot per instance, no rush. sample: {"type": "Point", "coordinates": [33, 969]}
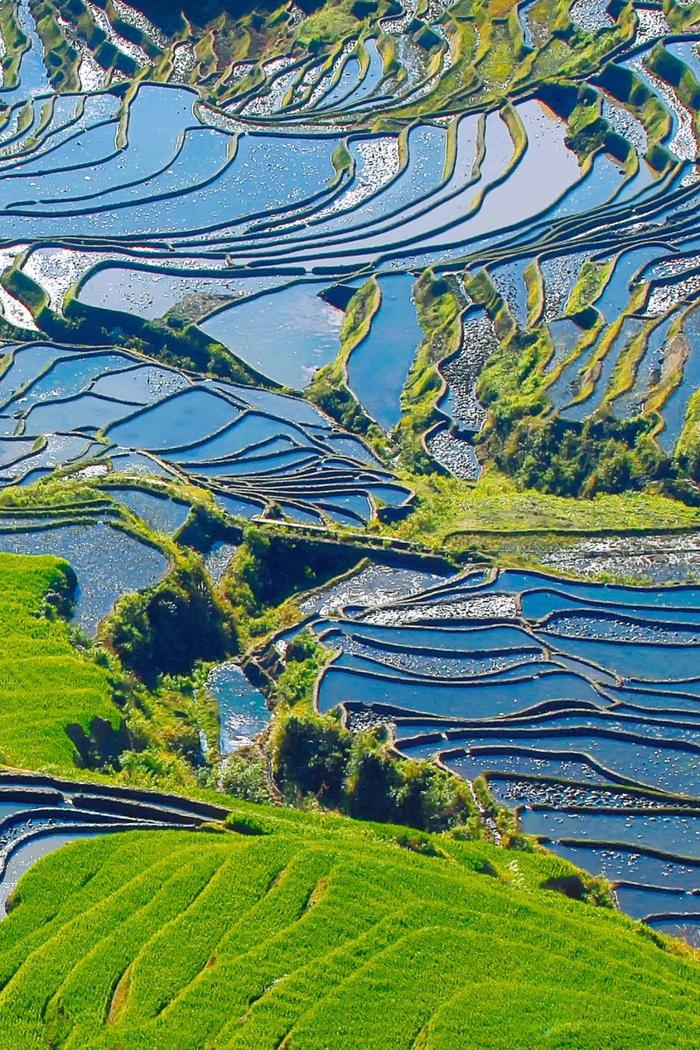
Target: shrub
{"type": "Point", "coordinates": [310, 756]}
{"type": "Point", "coordinates": [244, 777]}
{"type": "Point", "coordinates": [165, 629]}
{"type": "Point", "coordinates": [359, 774]}
{"type": "Point", "coordinates": [417, 843]}
{"type": "Point", "coordinates": [269, 567]}
{"type": "Point", "coordinates": [247, 825]}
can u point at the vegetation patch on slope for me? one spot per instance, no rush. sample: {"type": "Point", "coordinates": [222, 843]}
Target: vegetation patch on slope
{"type": "Point", "coordinates": [46, 684]}
{"type": "Point", "coordinates": [308, 932]}
{"type": "Point", "coordinates": [452, 511]}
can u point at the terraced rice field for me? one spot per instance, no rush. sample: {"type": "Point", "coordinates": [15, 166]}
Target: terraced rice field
{"type": "Point", "coordinates": [39, 814]}
{"type": "Point", "coordinates": [313, 933]}
{"type": "Point", "coordinates": [392, 283]}
{"type": "Point", "coordinates": [578, 702]}
{"type": "Point", "coordinates": [328, 152]}
{"type": "Point", "coordinates": [250, 447]}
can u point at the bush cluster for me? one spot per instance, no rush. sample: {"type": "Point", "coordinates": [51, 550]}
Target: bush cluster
{"type": "Point", "coordinates": [165, 629]}
{"type": "Point", "coordinates": [358, 774]}
{"type": "Point", "coordinates": [603, 455]}
{"type": "Point", "coordinates": [564, 458]}
{"type": "Point", "coordinates": [269, 567]}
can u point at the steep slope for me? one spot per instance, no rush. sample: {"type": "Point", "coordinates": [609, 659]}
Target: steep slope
{"type": "Point", "coordinates": [46, 685]}
{"type": "Point", "coordinates": [319, 932]}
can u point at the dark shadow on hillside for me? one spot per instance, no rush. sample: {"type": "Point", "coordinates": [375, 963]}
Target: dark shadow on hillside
{"type": "Point", "coordinates": [168, 14]}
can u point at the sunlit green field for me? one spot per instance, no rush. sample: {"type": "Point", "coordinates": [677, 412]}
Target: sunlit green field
{"type": "Point", "coordinates": [453, 513]}
{"type": "Point", "coordinates": [46, 684]}
{"type": "Point", "coordinates": [324, 933]}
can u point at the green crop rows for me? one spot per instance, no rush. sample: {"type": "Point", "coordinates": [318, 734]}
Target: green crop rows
{"type": "Point", "coordinates": [324, 933]}
{"type": "Point", "coordinates": [45, 683]}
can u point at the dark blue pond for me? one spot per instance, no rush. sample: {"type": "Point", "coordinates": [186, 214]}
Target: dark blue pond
{"type": "Point", "coordinates": [243, 714]}
{"type": "Point", "coordinates": [393, 338]}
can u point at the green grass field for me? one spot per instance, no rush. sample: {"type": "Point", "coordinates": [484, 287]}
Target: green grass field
{"type": "Point", "coordinates": [456, 513]}
{"type": "Point", "coordinates": [45, 683]}
{"type": "Point", "coordinates": [326, 933]}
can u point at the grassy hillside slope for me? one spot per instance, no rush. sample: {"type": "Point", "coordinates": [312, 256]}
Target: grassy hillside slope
{"type": "Point", "coordinates": [326, 933]}
{"type": "Point", "coordinates": [454, 512]}
{"type": "Point", "coordinates": [45, 683]}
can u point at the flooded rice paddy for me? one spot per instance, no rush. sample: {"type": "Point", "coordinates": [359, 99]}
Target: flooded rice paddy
{"type": "Point", "coordinates": [70, 406]}
{"type": "Point", "coordinates": [230, 215]}
{"type": "Point", "coordinates": [243, 713]}
{"type": "Point", "coordinates": [39, 814]}
{"type": "Point", "coordinates": [578, 702]}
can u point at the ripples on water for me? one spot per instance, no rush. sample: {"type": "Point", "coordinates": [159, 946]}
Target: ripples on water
{"type": "Point", "coordinates": [600, 755]}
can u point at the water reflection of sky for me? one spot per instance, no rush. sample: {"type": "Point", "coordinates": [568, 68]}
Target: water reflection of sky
{"type": "Point", "coordinates": [243, 713]}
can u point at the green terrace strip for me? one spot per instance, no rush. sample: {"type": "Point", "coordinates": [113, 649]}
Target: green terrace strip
{"type": "Point", "coordinates": [293, 930]}
{"type": "Point", "coordinates": [47, 687]}
{"type": "Point", "coordinates": [459, 514]}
